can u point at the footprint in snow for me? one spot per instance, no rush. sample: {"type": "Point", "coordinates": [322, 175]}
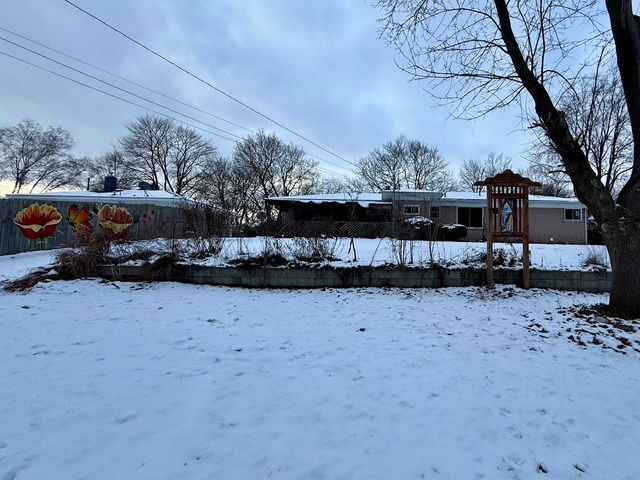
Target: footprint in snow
{"type": "Point", "coordinates": [124, 418]}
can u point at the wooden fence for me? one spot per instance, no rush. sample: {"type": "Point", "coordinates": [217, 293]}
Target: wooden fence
{"type": "Point", "coordinates": [149, 221]}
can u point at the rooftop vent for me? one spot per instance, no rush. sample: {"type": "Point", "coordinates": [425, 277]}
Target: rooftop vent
{"type": "Point", "coordinates": [110, 183]}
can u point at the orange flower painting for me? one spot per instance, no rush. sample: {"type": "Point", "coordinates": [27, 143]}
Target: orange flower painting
{"type": "Point", "coordinates": [38, 221]}
{"type": "Point", "coordinates": [116, 221]}
{"type": "Point", "coordinates": [79, 219]}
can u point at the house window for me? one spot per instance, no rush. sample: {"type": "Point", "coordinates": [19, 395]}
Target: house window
{"type": "Point", "coordinates": [435, 212]}
{"type": "Point", "coordinates": [470, 217]}
{"type": "Point", "coordinates": [573, 214]}
{"type": "Point", "coordinates": [411, 209]}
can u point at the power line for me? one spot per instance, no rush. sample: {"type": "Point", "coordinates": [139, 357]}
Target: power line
{"type": "Point", "coordinates": [141, 86]}
{"type": "Point", "coordinates": [117, 87]}
{"type": "Point", "coordinates": [112, 95]}
{"type": "Point", "coordinates": [137, 104]}
{"type": "Point", "coordinates": [59, 52]}
{"type": "Point", "coordinates": [209, 84]}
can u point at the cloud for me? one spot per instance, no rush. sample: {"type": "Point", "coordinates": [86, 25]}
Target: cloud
{"type": "Point", "coordinates": [317, 67]}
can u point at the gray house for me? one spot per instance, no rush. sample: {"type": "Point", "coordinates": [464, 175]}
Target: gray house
{"type": "Point", "coordinates": [552, 219]}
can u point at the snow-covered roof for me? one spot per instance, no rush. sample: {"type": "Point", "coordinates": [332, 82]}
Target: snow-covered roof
{"type": "Point", "coordinates": [154, 197]}
{"type": "Point", "coordinates": [448, 199]}
{"type": "Point", "coordinates": [480, 199]}
{"type": "Point", "coordinates": [362, 199]}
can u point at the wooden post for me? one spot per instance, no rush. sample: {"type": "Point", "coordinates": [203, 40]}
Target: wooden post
{"type": "Point", "coordinates": [489, 237]}
{"type": "Point", "coordinates": [525, 239]}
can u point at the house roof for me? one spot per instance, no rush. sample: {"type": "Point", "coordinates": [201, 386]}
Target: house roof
{"type": "Point", "coordinates": [154, 197]}
{"type": "Point", "coordinates": [362, 199]}
{"type": "Point", "coordinates": [454, 199]}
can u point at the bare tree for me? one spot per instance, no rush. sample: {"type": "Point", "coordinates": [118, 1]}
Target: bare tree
{"type": "Point", "coordinates": [492, 53]}
{"type": "Point", "coordinates": [404, 164]}
{"type": "Point", "coordinates": [188, 156]}
{"type": "Point", "coordinates": [31, 155]}
{"type": "Point", "coordinates": [165, 154]}
{"type": "Point", "coordinates": [224, 186]}
{"type": "Point", "coordinates": [112, 163]}
{"type": "Point", "coordinates": [332, 185]}
{"type": "Point", "coordinates": [596, 111]}
{"type": "Point", "coordinates": [147, 148]}
{"type": "Point", "coordinates": [475, 169]}
{"type": "Point", "coordinates": [275, 168]}
{"type": "Point", "coordinates": [555, 183]}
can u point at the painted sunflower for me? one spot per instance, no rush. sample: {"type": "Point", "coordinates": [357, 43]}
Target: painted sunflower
{"type": "Point", "coordinates": [116, 221]}
{"type": "Point", "coordinates": [38, 221]}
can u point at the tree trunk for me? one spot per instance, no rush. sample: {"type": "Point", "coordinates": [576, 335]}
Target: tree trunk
{"type": "Point", "coordinates": [623, 244]}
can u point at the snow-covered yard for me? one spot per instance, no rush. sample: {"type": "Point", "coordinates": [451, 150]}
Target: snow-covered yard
{"type": "Point", "coordinates": [369, 252]}
{"type": "Point", "coordinates": [378, 252]}
{"type": "Point", "coordinates": [166, 381]}
{"type": "Point", "coordinates": [15, 266]}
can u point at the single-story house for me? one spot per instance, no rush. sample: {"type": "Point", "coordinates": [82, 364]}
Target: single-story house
{"type": "Point", "coordinates": [551, 219]}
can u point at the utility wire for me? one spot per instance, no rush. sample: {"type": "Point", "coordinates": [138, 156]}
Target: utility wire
{"type": "Point", "coordinates": [112, 95]}
{"type": "Point", "coordinates": [137, 104]}
{"type": "Point", "coordinates": [143, 87]}
{"type": "Point", "coordinates": [59, 52]}
{"type": "Point", "coordinates": [118, 88]}
{"type": "Point", "coordinates": [209, 84]}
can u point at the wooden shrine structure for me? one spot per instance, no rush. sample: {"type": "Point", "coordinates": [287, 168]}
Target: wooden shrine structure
{"type": "Point", "coordinates": [508, 216]}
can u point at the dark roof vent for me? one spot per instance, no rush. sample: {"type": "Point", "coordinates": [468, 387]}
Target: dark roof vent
{"type": "Point", "coordinates": [145, 186]}
{"type": "Point", "coordinates": [110, 183]}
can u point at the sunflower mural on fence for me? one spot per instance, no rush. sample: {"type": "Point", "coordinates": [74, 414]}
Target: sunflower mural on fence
{"type": "Point", "coordinates": [80, 220]}
{"type": "Point", "coordinates": [38, 221]}
{"type": "Point", "coordinates": [115, 221]}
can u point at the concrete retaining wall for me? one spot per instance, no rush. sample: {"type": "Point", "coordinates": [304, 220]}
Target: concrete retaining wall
{"type": "Point", "coordinates": [595, 282]}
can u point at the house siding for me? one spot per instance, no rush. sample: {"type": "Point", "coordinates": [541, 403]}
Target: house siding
{"type": "Point", "coordinates": [425, 208]}
{"type": "Point", "coordinates": [547, 225]}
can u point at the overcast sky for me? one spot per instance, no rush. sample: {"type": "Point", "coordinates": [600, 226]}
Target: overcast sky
{"type": "Point", "coordinates": [316, 66]}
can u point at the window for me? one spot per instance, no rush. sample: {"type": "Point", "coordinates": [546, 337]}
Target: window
{"type": "Point", "coordinates": [435, 212]}
{"type": "Point", "coordinates": [573, 214]}
{"type": "Point", "coordinates": [411, 209]}
{"type": "Point", "coordinates": [470, 217]}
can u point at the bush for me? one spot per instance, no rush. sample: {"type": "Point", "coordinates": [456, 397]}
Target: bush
{"type": "Point", "coordinates": [596, 258]}
{"type": "Point", "coordinates": [594, 233]}
{"type": "Point", "coordinates": [502, 257]}
{"type": "Point", "coordinates": [313, 249]}
{"type": "Point", "coordinates": [452, 231]}
{"type": "Point", "coordinates": [206, 228]}
{"type": "Point", "coordinates": [81, 262]}
{"type": "Point", "coordinates": [422, 228]}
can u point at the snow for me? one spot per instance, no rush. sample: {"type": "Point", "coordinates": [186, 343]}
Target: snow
{"type": "Point", "coordinates": [362, 199]}
{"type": "Point", "coordinates": [535, 201]}
{"type": "Point", "coordinates": [370, 252]}
{"type": "Point", "coordinates": [157, 197]}
{"type": "Point", "coordinates": [447, 199]}
{"type": "Point", "coordinates": [169, 381]}
{"type": "Point", "coordinates": [378, 252]}
{"type": "Point", "coordinates": [16, 266]}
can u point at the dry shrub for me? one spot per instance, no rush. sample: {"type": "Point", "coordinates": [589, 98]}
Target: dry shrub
{"type": "Point", "coordinates": [81, 261]}
{"type": "Point", "coordinates": [596, 258]}
{"type": "Point", "coordinates": [206, 228]}
{"type": "Point", "coordinates": [313, 249]}
{"type": "Point", "coordinates": [401, 251]}
{"type": "Point", "coordinates": [502, 257]}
